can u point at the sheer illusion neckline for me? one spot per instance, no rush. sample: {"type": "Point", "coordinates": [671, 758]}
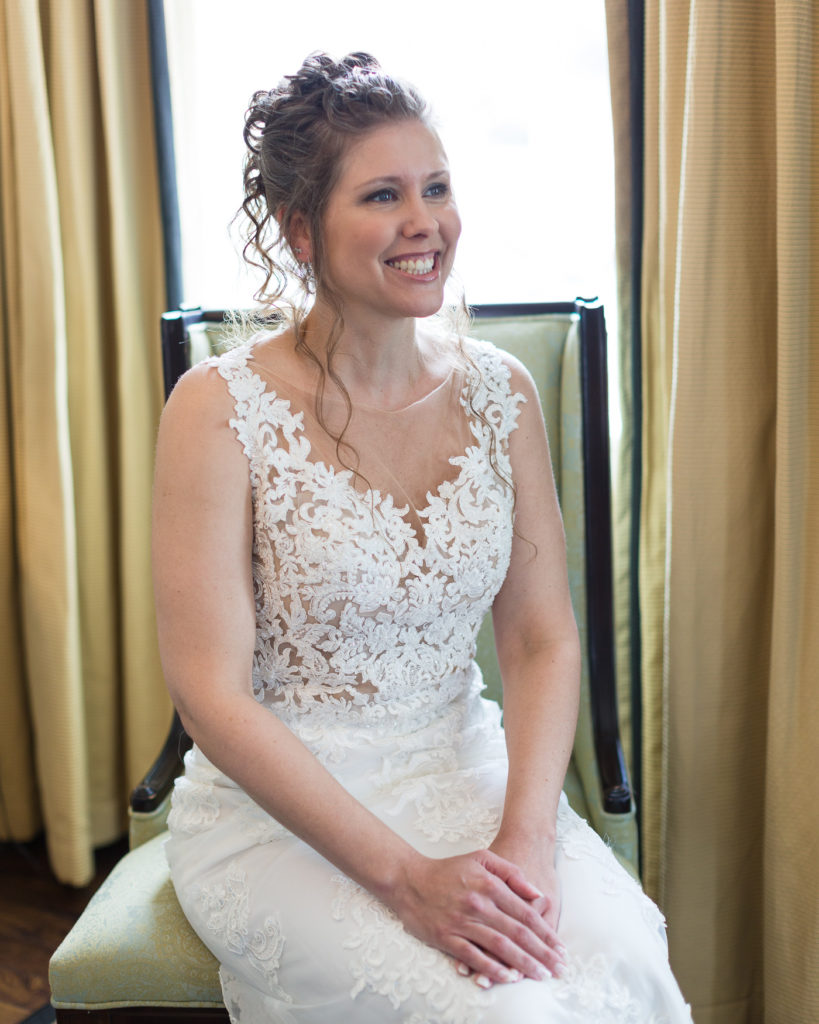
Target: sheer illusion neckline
{"type": "Point", "coordinates": [381, 498]}
{"type": "Point", "coordinates": [384, 501]}
{"type": "Point", "coordinates": [274, 376]}
{"type": "Point", "coordinates": [409, 405]}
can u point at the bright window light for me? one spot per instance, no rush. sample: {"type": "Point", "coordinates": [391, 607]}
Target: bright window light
{"type": "Point", "coordinates": [520, 93]}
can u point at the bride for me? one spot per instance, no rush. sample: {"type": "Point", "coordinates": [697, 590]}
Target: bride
{"type": "Point", "coordinates": [337, 505]}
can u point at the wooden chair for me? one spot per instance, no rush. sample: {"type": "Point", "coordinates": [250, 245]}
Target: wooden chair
{"type": "Point", "coordinates": [132, 955]}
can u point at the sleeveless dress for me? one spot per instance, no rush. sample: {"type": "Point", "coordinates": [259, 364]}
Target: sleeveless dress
{"type": "Point", "coordinates": [367, 613]}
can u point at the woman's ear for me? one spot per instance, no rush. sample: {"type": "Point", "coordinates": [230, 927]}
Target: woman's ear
{"type": "Point", "coordinates": [299, 238]}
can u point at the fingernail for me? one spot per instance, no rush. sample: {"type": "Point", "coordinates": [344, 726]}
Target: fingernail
{"type": "Point", "coordinates": [463, 970]}
{"type": "Point", "coordinates": [510, 975]}
{"type": "Point", "coordinates": [543, 973]}
{"type": "Point", "coordinates": [561, 949]}
{"type": "Point", "coordinates": [482, 981]}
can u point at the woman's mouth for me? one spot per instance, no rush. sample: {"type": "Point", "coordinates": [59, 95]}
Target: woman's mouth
{"type": "Point", "coordinates": [418, 266]}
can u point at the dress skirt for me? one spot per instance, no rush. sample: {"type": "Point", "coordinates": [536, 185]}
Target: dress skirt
{"type": "Point", "coordinates": [299, 943]}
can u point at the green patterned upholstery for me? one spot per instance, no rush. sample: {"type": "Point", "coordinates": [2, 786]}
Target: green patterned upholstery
{"type": "Point", "coordinates": [133, 946]}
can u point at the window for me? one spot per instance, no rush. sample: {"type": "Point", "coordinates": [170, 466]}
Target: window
{"type": "Point", "coordinates": [520, 92]}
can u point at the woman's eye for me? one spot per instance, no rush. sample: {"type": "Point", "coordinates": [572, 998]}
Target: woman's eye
{"type": "Point", "coordinates": [383, 195]}
{"type": "Point", "coordinates": [438, 190]}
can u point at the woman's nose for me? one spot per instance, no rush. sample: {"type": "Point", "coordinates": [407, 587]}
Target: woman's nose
{"type": "Point", "coordinates": [419, 218]}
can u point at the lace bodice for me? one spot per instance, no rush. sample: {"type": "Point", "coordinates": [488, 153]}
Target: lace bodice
{"type": "Point", "coordinates": [359, 614]}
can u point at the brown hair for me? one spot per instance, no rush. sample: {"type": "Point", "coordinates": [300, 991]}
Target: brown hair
{"type": "Point", "coordinates": [296, 135]}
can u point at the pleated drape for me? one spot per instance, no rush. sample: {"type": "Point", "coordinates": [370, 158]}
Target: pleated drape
{"type": "Point", "coordinates": [729, 568]}
{"type": "Point", "coordinates": [82, 288]}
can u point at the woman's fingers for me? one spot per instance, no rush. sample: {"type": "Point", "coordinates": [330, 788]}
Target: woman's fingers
{"type": "Point", "coordinates": [546, 905]}
{"type": "Point", "coordinates": [512, 875]}
{"type": "Point", "coordinates": [481, 980]}
{"type": "Point", "coordinates": [532, 914]}
{"type": "Point", "coordinates": [484, 970]}
{"type": "Point", "coordinates": [465, 906]}
{"type": "Point", "coordinates": [507, 935]}
{"type": "Point", "coordinates": [512, 947]}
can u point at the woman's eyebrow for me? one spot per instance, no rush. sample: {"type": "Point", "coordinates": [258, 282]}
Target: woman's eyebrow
{"type": "Point", "coordinates": [397, 179]}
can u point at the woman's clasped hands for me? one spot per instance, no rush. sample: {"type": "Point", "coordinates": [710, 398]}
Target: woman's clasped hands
{"type": "Point", "coordinates": [480, 909]}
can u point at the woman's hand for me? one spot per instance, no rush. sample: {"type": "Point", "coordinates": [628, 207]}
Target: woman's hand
{"type": "Point", "coordinates": [480, 909]}
{"type": "Point", "coordinates": [536, 862]}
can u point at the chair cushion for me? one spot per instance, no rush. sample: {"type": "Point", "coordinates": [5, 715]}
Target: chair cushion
{"type": "Point", "coordinates": [133, 944]}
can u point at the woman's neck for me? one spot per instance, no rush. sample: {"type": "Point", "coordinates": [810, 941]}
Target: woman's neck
{"type": "Point", "coordinates": [383, 364]}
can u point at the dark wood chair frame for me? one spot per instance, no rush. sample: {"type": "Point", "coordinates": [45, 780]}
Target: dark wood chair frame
{"type": "Point", "coordinates": [157, 783]}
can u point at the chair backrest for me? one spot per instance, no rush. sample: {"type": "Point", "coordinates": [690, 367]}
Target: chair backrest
{"type": "Point", "coordinates": [564, 347]}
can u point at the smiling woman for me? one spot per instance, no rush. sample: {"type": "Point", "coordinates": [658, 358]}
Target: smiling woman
{"type": "Point", "coordinates": [338, 504]}
{"type": "Point", "coordinates": [391, 236]}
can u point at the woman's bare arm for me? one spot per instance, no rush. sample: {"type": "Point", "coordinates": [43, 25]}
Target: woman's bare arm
{"type": "Point", "coordinates": [539, 656]}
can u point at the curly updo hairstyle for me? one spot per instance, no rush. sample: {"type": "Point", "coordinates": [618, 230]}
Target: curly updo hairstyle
{"type": "Point", "coordinates": [296, 136]}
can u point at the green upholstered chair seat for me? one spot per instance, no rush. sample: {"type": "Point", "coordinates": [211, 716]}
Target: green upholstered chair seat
{"type": "Point", "coordinates": [133, 945]}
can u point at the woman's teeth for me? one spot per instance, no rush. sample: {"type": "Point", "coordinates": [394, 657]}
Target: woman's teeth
{"type": "Point", "coordinates": [423, 265]}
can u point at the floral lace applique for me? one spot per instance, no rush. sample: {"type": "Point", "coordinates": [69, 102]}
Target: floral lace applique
{"type": "Point", "coordinates": [226, 908]}
{"type": "Point", "coordinates": [390, 962]}
{"type": "Point", "coordinates": [449, 807]}
{"type": "Point", "coordinates": [195, 806]}
{"type": "Point", "coordinates": [249, 1006]}
{"type": "Point", "coordinates": [258, 826]}
{"type": "Point", "coordinates": [590, 986]}
{"type": "Point", "coordinates": [232, 994]}
{"type": "Point", "coordinates": [578, 841]}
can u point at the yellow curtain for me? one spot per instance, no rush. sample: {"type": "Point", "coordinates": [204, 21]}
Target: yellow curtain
{"type": "Point", "coordinates": [84, 707]}
{"type": "Point", "coordinates": [729, 567]}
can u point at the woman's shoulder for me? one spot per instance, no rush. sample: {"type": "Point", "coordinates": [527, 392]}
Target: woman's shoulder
{"type": "Point", "coordinates": [220, 388]}
{"type": "Point", "coordinates": [199, 391]}
{"type": "Point", "coordinates": [240, 373]}
{"type": "Point", "coordinates": [195, 424]}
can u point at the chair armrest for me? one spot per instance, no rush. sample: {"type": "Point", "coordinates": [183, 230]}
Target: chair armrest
{"type": "Point", "coordinates": [157, 783]}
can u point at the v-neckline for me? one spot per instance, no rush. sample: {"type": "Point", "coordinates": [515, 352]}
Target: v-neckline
{"type": "Point", "coordinates": [374, 497]}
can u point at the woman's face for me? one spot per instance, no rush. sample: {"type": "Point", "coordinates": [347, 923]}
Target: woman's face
{"type": "Point", "coordinates": [391, 225]}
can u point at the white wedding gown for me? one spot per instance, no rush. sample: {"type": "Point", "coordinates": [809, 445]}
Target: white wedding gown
{"type": "Point", "coordinates": [368, 602]}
